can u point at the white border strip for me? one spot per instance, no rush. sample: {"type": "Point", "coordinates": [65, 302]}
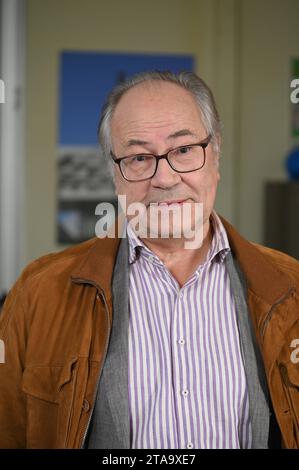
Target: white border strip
{"type": "Point", "coordinates": [12, 141]}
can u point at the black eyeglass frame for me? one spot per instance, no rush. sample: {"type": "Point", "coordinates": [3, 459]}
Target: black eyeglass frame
{"type": "Point", "coordinates": [204, 143]}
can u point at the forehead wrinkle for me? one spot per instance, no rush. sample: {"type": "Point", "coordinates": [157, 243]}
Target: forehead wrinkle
{"type": "Point", "coordinates": [135, 129]}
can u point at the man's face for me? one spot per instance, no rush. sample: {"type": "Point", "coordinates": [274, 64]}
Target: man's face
{"type": "Point", "coordinates": [155, 117]}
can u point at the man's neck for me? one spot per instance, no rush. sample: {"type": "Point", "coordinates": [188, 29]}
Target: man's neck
{"type": "Point", "coordinates": [178, 259]}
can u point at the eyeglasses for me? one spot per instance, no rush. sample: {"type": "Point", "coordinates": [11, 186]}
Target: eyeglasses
{"type": "Point", "coordinates": [182, 159]}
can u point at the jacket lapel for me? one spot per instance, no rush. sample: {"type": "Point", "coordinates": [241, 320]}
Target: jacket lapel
{"type": "Point", "coordinates": [266, 284]}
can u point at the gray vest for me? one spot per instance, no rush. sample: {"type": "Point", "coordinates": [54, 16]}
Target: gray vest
{"type": "Point", "coordinates": [110, 424]}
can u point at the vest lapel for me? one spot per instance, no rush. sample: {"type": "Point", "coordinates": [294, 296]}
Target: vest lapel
{"type": "Point", "coordinates": [110, 426]}
{"type": "Point", "coordinates": [116, 364]}
{"type": "Point", "coordinates": [253, 364]}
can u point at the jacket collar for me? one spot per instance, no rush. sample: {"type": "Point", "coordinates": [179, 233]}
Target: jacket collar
{"type": "Point", "coordinates": [263, 278]}
{"type": "Point", "coordinates": [97, 266]}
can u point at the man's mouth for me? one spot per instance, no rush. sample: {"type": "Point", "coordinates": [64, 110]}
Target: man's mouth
{"type": "Point", "coordinates": [169, 202]}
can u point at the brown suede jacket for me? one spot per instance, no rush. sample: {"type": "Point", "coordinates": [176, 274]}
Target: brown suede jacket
{"type": "Point", "coordinates": [56, 323]}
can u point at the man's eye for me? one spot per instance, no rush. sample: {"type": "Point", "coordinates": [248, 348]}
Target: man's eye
{"type": "Point", "coordinates": [184, 149]}
{"type": "Point", "coordinates": [139, 158]}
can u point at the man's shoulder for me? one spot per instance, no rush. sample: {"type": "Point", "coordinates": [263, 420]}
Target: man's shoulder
{"type": "Point", "coordinates": [281, 260]}
{"type": "Point", "coordinates": [57, 262]}
{"type": "Point", "coordinates": [48, 274]}
{"type": "Point", "coordinates": [243, 248]}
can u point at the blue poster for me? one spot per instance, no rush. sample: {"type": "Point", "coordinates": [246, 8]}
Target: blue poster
{"type": "Point", "coordinates": [87, 77]}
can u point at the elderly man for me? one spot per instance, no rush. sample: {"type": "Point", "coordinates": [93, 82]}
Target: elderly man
{"type": "Point", "coordinates": [138, 341]}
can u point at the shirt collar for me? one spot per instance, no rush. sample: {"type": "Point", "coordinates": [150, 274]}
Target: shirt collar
{"type": "Point", "coordinates": [219, 246]}
{"type": "Point", "coordinates": [135, 244]}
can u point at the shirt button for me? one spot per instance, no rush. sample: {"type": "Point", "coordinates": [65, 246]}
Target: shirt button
{"type": "Point", "coordinates": [185, 392]}
{"type": "Point", "coordinates": [182, 341]}
{"type": "Point", "coordinates": [181, 295]}
{"type": "Point", "coordinates": [85, 405]}
{"type": "Point", "coordinates": [190, 445]}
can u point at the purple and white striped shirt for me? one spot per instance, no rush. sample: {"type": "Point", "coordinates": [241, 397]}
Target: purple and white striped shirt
{"type": "Point", "coordinates": [187, 384]}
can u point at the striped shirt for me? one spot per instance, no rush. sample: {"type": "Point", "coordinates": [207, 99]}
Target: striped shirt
{"type": "Point", "coordinates": [187, 384]}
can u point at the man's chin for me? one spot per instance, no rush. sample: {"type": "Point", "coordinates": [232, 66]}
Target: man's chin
{"type": "Point", "coordinates": [167, 230]}
{"type": "Point", "coordinates": [169, 221]}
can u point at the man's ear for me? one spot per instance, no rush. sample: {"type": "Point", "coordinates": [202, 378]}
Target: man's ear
{"type": "Point", "coordinates": [217, 152]}
{"type": "Point", "coordinates": [219, 141]}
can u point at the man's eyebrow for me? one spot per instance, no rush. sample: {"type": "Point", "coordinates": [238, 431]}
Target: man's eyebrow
{"type": "Point", "coordinates": [181, 133]}
{"type": "Point", "coordinates": [132, 142]}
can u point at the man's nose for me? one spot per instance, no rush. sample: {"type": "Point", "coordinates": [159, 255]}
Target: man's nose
{"type": "Point", "coordinates": [165, 176]}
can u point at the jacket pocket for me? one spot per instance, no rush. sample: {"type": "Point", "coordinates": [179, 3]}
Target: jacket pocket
{"type": "Point", "coordinates": [49, 393]}
{"type": "Point", "coordinates": [290, 377]}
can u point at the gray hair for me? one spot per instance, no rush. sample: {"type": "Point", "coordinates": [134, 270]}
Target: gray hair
{"type": "Point", "coordinates": [187, 80]}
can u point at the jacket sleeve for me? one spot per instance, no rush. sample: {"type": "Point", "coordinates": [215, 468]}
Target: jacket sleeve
{"type": "Point", "coordinates": [13, 346]}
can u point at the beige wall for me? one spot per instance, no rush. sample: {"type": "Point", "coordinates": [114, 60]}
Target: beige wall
{"type": "Point", "coordinates": [270, 38]}
{"type": "Point", "coordinates": [243, 49]}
